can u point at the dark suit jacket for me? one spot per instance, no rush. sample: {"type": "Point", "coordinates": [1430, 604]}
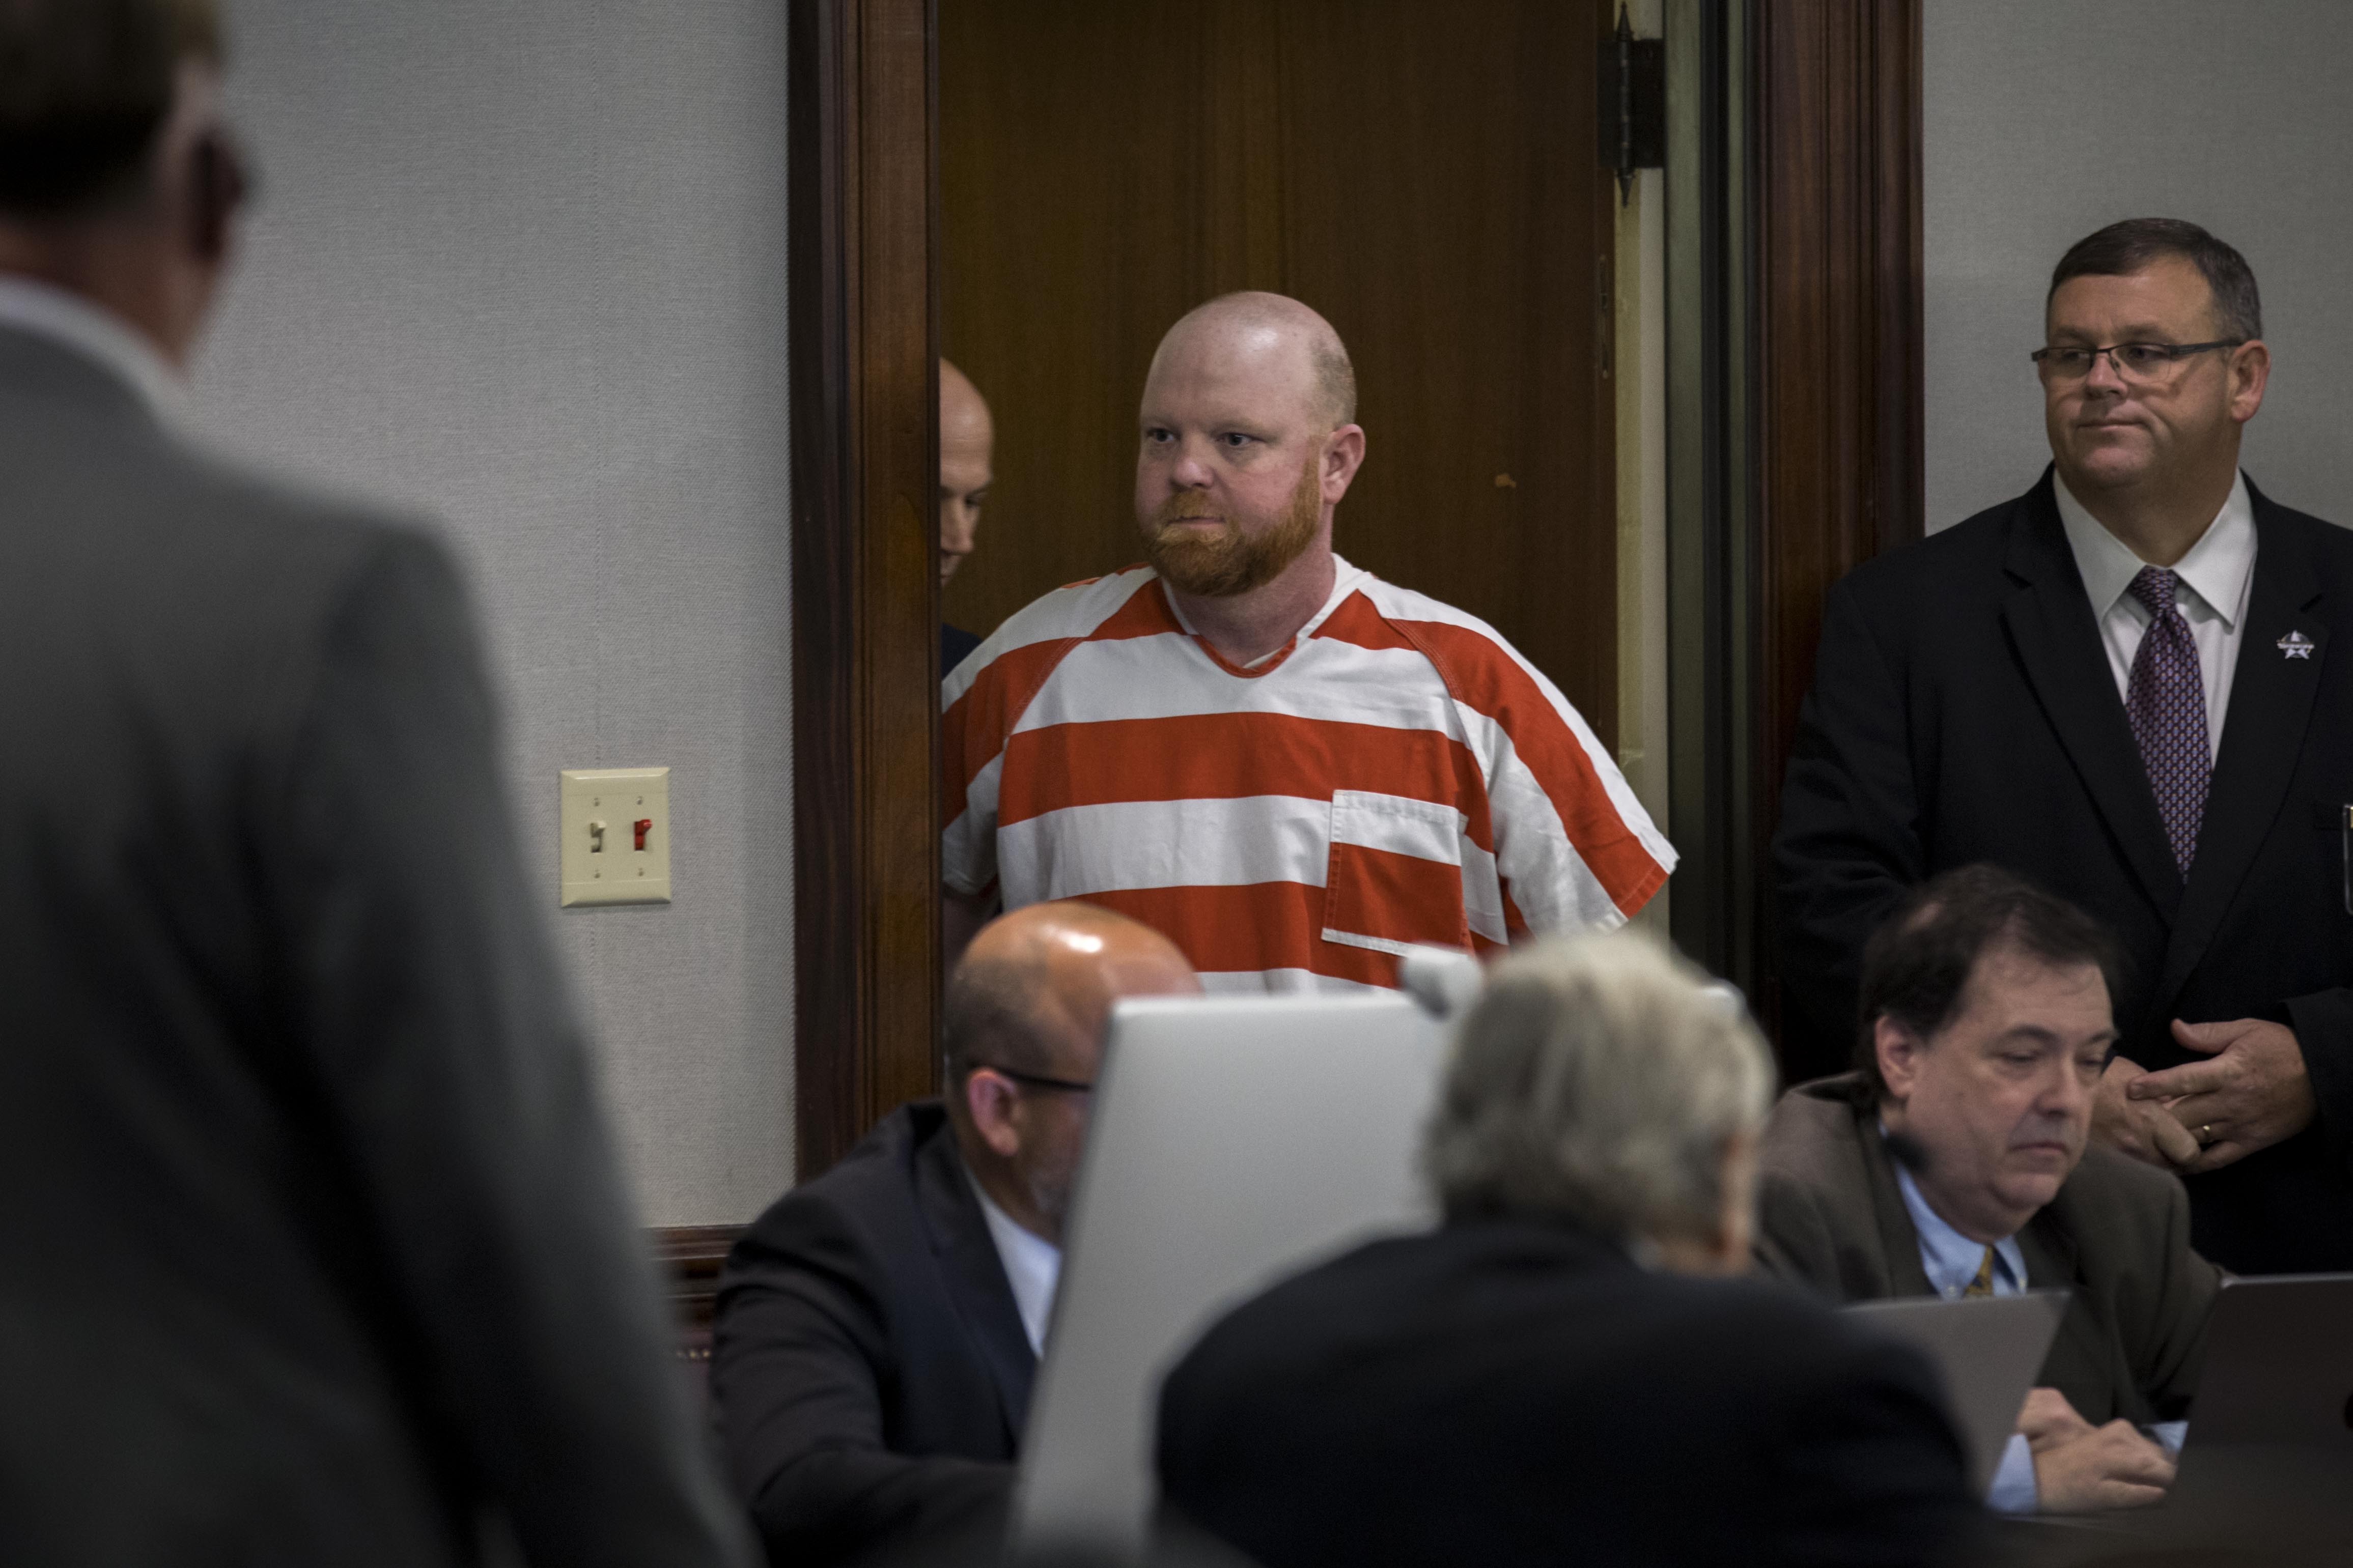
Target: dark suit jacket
{"type": "Point", "coordinates": [1829, 1217]}
{"type": "Point", "coordinates": [956, 645]}
{"type": "Point", "coordinates": [1504, 1392]}
{"type": "Point", "coordinates": [869, 1365]}
{"type": "Point", "coordinates": [1963, 709]}
{"type": "Point", "coordinates": [312, 1245]}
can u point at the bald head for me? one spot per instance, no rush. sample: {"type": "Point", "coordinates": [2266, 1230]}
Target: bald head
{"type": "Point", "coordinates": [1035, 989]}
{"type": "Point", "coordinates": [1026, 1013]}
{"type": "Point", "coordinates": [1246, 442]}
{"type": "Point", "coordinates": [1270, 342]}
{"type": "Point", "coordinates": [967, 454]}
{"type": "Point", "coordinates": [964, 411]}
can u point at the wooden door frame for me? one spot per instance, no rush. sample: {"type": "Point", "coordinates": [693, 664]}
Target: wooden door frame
{"type": "Point", "coordinates": [1710, 707]}
{"type": "Point", "coordinates": [1795, 394]}
{"type": "Point", "coordinates": [1812, 212]}
{"type": "Point", "coordinates": [864, 200]}
{"type": "Point", "coordinates": [1840, 374]}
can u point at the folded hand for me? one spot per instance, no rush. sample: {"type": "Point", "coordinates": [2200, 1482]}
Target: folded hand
{"type": "Point", "coordinates": [2139, 1126]}
{"type": "Point", "coordinates": [2254, 1093]}
{"type": "Point", "coordinates": [2047, 1420]}
{"type": "Point", "coordinates": [2102, 1467]}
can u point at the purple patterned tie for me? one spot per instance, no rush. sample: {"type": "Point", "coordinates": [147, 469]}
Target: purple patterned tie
{"type": "Point", "coordinates": [2166, 701]}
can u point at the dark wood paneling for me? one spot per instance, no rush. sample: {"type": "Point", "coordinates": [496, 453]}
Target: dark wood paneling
{"type": "Point", "coordinates": [1425, 175]}
{"type": "Point", "coordinates": [1446, 204]}
{"type": "Point", "coordinates": [1838, 326]}
{"type": "Point", "coordinates": [865, 594]}
{"type": "Point", "coordinates": [691, 1256]}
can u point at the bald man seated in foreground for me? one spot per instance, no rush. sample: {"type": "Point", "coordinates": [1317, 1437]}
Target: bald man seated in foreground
{"type": "Point", "coordinates": [1291, 768]}
{"type": "Point", "coordinates": [878, 1328]}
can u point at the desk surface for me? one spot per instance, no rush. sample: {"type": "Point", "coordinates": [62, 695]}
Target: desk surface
{"type": "Point", "coordinates": [2280, 1508]}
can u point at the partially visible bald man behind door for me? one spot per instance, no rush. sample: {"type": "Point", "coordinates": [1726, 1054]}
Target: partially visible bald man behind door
{"type": "Point", "coordinates": [1291, 768]}
{"type": "Point", "coordinates": [967, 446]}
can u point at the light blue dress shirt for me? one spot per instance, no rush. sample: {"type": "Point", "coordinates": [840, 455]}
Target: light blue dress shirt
{"type": "Point", "coordinates": [1951, 1260]}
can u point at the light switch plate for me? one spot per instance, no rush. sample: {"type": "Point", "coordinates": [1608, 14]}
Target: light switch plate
{"type": "Point", "coordinates": [598, 813]}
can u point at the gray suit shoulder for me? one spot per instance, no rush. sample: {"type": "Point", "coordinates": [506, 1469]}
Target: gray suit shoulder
{"type": "Point", "coordinates": [2106, 1185]}
{"type": "Point", "coordinates": [198, 550]}
{"type": "Point", "coordinates": [1810, 1134]}
{"type": "Point", "coordinates": [232, 608]}
{"type": "Point", "coordinates": [223, 501]}
{"type": "Point", "coordinates": [1814, 1222]}
{"type": "Point", "coordinates": [146, 503]}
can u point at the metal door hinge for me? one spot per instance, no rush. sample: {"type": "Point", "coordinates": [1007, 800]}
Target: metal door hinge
{"type": "Point", "coordinates": [1633, 103]}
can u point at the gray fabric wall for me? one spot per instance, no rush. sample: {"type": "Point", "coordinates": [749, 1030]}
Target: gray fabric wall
{"type": "Point", "coordinates": [2046, 119]}
{"type": "Point", "coordinates": [522, 266]}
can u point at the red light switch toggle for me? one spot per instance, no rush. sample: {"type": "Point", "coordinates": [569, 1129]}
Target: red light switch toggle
{"type": "Point", "coordinates": [644, 824]}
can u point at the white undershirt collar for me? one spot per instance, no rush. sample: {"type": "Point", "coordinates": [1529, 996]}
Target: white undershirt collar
{"type": "Point", "coordinates": [1033, 1265]}
{"type": "Point", "coordinates": [1346, 579]}
{"type": "Point", "coordinates": [96, 334]}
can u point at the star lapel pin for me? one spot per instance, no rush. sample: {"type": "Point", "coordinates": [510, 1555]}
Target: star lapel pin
{"type": "Point", "coordinates": [2295, 645]}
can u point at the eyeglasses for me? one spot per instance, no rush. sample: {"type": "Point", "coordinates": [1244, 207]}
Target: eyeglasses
{"type": "Point", "coordinates": [1034, 1080]}
{"type": "Point", "coordinates": [2134, 362]}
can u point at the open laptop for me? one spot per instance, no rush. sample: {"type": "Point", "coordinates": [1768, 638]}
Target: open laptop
{"type": "Point", "coordinates": [2279, 1365]}
{"type": "Point", "coordinates": [2270, 1447]}
{"type": "Point", "coordinates": [1233, 1141]}
{"type": "Point", "coordinates": [2267, 1473]}
{"type": "Point", "coordinates": [1987, 1349]}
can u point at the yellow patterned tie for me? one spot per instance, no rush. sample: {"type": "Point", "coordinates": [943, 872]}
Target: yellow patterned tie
{"type": "Point", "coordinates": [1983, 1284]}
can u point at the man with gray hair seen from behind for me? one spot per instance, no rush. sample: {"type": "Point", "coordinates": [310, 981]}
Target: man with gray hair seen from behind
{"type": "Point", "coordinates": [313, 1245]}
{"type": "Point", "coordinates": [1563, 1372]}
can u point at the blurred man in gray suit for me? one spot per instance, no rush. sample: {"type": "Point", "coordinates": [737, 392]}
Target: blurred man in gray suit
{"type": "Point", "coordinates": [313, 1246]}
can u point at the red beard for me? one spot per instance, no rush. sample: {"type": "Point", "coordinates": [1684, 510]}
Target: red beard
{"type": "Point", "coordinates": [1231, 561]}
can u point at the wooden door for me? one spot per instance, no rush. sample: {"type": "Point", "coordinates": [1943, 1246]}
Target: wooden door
{"type": "Point", "coordinates": [1425, 175]}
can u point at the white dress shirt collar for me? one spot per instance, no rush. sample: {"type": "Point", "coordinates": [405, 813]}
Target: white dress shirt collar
{"type": "Point", "coordinates": [2216, 569]}
{"type": "Point", "coordinates": [1033, 1265]}
{"type": "Point", "coordinates": [96, 334]}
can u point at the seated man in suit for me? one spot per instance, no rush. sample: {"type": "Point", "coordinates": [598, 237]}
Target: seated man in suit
{"type": "Point", "coordinates": [1955, 1162]}
{"type": "Point", "coordinates": [1553, 1374]}
{"type": "Point", "coordinates": [878, 1328]}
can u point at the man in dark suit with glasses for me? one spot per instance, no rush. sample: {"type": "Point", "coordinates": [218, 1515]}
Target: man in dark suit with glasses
{"type": "Point", "coordinates": [878, 1329]}
{"type": "Point", "coordinates": [2121, 685]}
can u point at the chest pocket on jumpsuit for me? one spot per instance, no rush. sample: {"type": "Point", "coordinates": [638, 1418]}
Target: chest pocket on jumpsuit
{"type": "Point", "coordinates": [1394, 875]}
